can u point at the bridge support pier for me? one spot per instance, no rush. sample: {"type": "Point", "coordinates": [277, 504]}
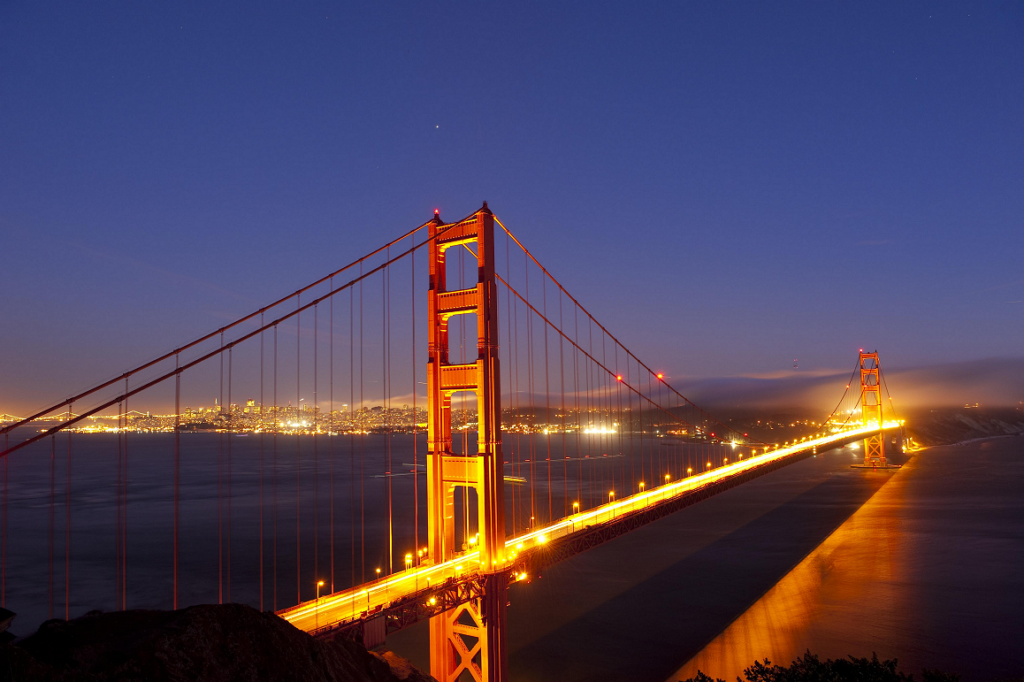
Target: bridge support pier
{"type": "Point", "coordinates": [470, 637]}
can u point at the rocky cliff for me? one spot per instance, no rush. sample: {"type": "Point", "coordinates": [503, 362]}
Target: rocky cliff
{"type": "Point", "coordinates": [197, 644]}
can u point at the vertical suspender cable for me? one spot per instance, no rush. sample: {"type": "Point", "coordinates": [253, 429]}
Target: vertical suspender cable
{"type": "Point", "coordinates": [415, 459]}
{"type": "Point", "coordinates": [640, 404]}
{"type": "Point", "coordinates": [53, 511]}
{"type": "Point", "coordinates": [220, 482]}
{"type": "Point", "coordinates": [273, 479]}
{"type": "Point", "coordinates": [331, 427]}
{"type": "Point", "coordinates": [511, 402]}
{"type": "Point", "coordinates": [177, 476]}
{"type": "Point", "coordinates": [3, 578]}
{"type": "Point", "coordinates": [298, 438]}
{"type": "Point", "coordinates": [629, 410]}
{"type": "Point", "coordinates": [124, 526]}
{"type": "Point", "coordinates": [561, 373]}
{"type": "Point", "coordinates": [362, 442]}
{"type": "Point", "coordinates": [263, 429]}
{"type": "Point", "coordinates": [351, 434]}
{"type": "Point", "coordinates": [547, 397]}
{"type": "Point", "coordinates": [529, 389]}
{"type": "Point", "coordinates": [594, 441]}
{"type": "Point", "coordinates": [619, 428]}
{"type": "Point", "coordinates": [316, 452]}
{"type": "Point", "coordinates": [117, 503]}
{"type": "Point", "coordinates": [231, 430]}
{"type": "Point", "coordinates": [601, 395]}
{"type": "Point", "coordinates": [579, 415]}
{"type": "Point", "coordinates": [386, 389]}
{"type": "Point", "coordinates": [67, 533]}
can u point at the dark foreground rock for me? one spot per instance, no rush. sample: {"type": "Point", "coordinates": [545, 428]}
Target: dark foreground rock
{"type": "Point", "coordinates": [200, 643]}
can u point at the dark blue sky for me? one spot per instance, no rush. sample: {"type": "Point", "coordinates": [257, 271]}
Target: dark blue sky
{"type": "Point", "coordinates": [727, 186]}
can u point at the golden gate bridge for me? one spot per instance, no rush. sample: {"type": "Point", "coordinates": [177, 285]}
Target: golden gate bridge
{"type": "Point", "coordinates": [562, 439]}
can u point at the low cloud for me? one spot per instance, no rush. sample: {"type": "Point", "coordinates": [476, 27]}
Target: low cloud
{"type": "Point", "coordinates": [992, 382]}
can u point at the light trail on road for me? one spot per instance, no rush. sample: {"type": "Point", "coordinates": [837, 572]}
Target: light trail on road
{"type": "Point", "coordinates": [350, 605]}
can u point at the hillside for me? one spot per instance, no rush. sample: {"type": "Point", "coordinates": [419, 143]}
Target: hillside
{"type": "Point", "coordinates": [204, 643]}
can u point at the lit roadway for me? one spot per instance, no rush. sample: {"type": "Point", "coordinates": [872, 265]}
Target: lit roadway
{"type": "Point", "coordinates": [350, 605]}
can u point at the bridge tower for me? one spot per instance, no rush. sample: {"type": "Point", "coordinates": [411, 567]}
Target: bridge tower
{"type": "Point", "coordinates": [871, 410]}
{"type": "Point", "coordinates": [470, 637]}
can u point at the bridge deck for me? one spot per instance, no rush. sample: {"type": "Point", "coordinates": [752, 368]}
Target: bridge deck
{"type": "Point", "coordinates": [431, 588]}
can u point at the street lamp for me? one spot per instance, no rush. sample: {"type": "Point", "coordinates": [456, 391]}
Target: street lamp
{"type": "Point", "coordinates": [689, 470]}
{"type": "Point", "coordinates": [667, 477]}
{"type": "Point", "coordinates": [575, 507]}
{"type": "Point", "coordinates": [641, 486]}
{"type": "Point", "coordinates": [319, 584]}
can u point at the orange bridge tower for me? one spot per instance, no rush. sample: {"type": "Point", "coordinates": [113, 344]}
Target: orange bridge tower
{"type": "Point", "coordinates": [469, 637]}
{"type": "Point", "coordinates": [871, 410]}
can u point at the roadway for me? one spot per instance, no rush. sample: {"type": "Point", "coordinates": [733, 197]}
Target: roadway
{"type": "Point", "coordinates": [348, 606]}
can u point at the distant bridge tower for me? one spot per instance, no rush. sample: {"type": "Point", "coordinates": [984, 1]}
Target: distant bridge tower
{"type": "Point", "coordinates": [470, 637]}
{"type": "Point", "coordinates": [871, 409]}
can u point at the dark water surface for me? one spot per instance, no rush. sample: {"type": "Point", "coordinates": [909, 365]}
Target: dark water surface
{"type": "Point", "coordinates": [929, 571]}
{"type": "Point", "coordinates": [924, 565]}
{"type": "Point", "coordinates": [264, 518]}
